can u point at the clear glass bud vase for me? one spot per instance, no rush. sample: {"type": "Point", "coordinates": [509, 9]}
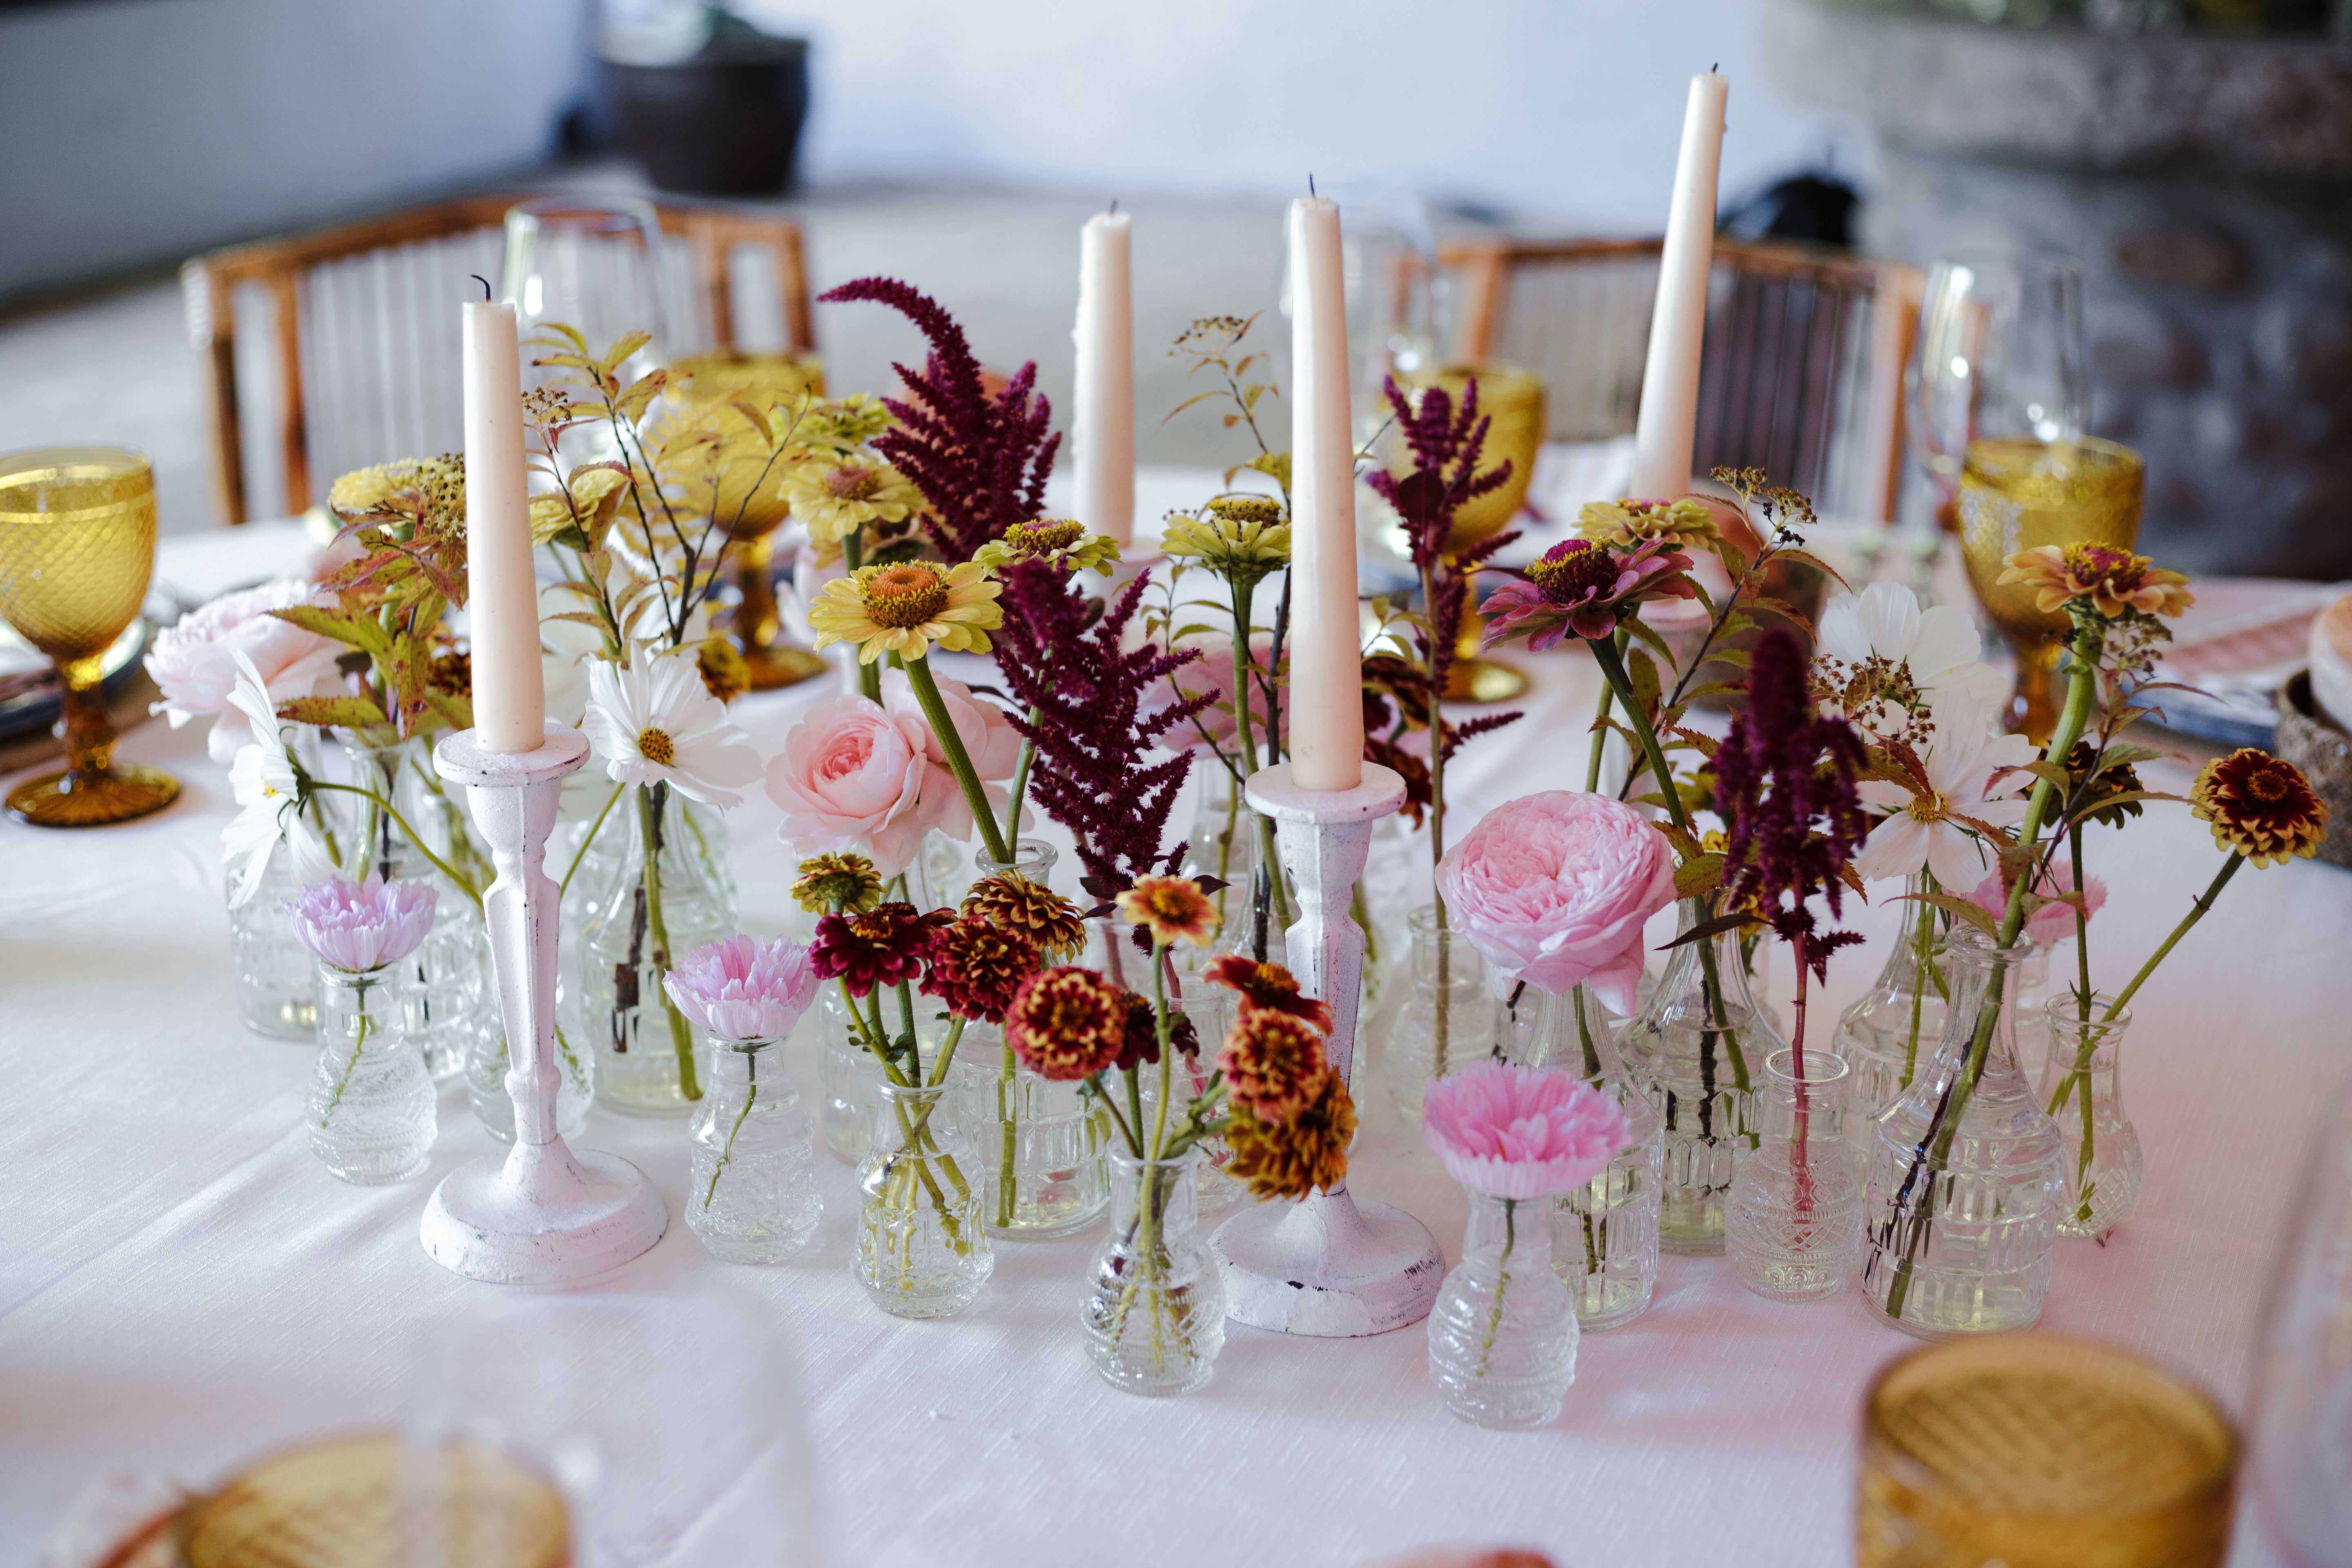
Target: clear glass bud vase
{"type": "Point", "coordinates": [1795, 1217]}
{"type": "Point", "coordinates": [1502, 1336]}
{"type": "Point", "coordinates": [1155, 1319]}
{"type": "Point", "coordinates": [370, 1109]}
{"type": "Point", "coordinates": [922, 1250]}
{"type": "Point", "coordinates": [1604, 1233]}
{"type": "Point", "coordinates": [1965, 1187]}
{"type": "Point", "coordinates": [1110, 952]}
{"type": "Point", "coordinates": [666, 897]}
{"type": "Point", "coordinates": [1893, 1026]}
{"type": "Point", "coordinates": [1694, 1049]}
{"type": "Point", "coordinates": [752, 1196]}
{"type": "Point", "coordinates": [1449, 1019]}
{"type": "Point", "coordinates": [848, 1080]}
{"type": "Point", "coordinates": [277, 991]}
{"type": "Point", "coordinates": [2083, 1091]}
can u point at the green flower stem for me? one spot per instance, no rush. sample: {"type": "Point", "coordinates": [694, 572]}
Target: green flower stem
{"type": "Point", "coordinates": [386, 806]}
{"type": "Point", "coordinates": [983, 815]}
{"type": "Point", "coordinates": [1584, 1035]}
{"type": "Point", "coordinates": [2196, 912]}
{"type": "Point", "coordinates": [1269, 859]}
{"type": "Point", "coordinates": [1443, 1024]}
{"type": "Point", "coordinates": [593, 828]}
{"type": "Point", "coordinates": [1601, 722]}
{"type": "Point", "coordinates": [1109, 1102]}
{"type": "Point", "coordinates": [946, 1058]}
{"type": "Point", "coordinates": [751, 1067]}
{"type": "Point", "coordinates": [350, 1067]}
{"type": "Point", "coordinates": [914, 1044]}
{"type": "Point", "coordinates": [682, 1034]}
{"type": "Point", "coordinates": [326, 830]}
{"type": "Point", "coordinates": [1923, 956]}
{"type": "Point", "coordinates": [2082, 927]}
{"type": "Point", "coordinates": [1502, 1283]}
{"type": "Point", "coordinates": [1021, 781]}
{"type": "Point", "coordinates": [1160, 1024]}
{"type": "Point", "coordinates": [1008, 1133]}
{"type": "Point", "coordinates": [852, 556]}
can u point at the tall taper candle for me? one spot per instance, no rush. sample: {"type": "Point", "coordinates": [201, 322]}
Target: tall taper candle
{"type": "Point", "coordinates": [1327, 690]}
{"type": "Point", "coordinates": [501, 595]}
{"type": "Point", "coordinates": [1103, 433]}
{"type": "Point", "coordinates": [1662, 434]}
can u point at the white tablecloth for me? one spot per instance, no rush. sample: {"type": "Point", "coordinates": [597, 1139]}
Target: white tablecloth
{"type": "Point", "coordinates": [182, 1286]}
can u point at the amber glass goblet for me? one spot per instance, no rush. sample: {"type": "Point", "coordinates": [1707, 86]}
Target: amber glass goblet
{"type": "Point", "coordinates": [2040, 1451]}
{"type": "Point", "coordinates": [2019, 494]}
{"type": "Point", "coordinates": [1512, 399]}
{"type": "Point", "coordinates": [77, 548]}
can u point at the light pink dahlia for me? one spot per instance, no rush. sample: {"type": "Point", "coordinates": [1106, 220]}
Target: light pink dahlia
{"type": "Point", "coordinates": [1519, 1131]}
{"type": "Point", "coordinates": [743, 989]}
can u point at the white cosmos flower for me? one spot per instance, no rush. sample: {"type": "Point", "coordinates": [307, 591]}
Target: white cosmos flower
{"type": "Point", "coordinates": [262, 778]}
{"type": "Point", "coordinates": [656, 722]}
{"type": "Point", "coordinates": [1960, 758]}
{"type": "Point", "coordinates": [1938, 645]}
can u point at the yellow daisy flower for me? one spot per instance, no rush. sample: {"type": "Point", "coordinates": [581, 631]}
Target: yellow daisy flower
{"type": "Point", "coordinates": [834, 496]}
{"type": "Point", "coordinates": [904, 607]}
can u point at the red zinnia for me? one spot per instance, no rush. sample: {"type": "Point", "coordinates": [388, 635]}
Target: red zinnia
{"type": "Point", "coordinates": [1066, 1024]}
{"type": "Point", "coordinates": [1274, 1063]}
{"type": "Point", "coordinates": [1269, 986]}
{"type": "Point", "coordinates": [976, 968]}
{"type": "Point", "coordinates": [887, 945]}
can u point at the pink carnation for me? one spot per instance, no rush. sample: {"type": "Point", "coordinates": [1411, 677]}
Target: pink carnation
{"type": "Point", "coordinates": [194, 660]}
{"type": "Point", "coordinates": [359, 926]}
{"type": "Point", "coordinates": [1514, 1132]}
{"type": "Point", "coordinates": [1553, 889]}
{"type": "Point", "coordinates": [2051, 922]}
{"type": "Point", "coordinates": [1213, 672]}
{"type": "Point", "coordinates": [740, 989]}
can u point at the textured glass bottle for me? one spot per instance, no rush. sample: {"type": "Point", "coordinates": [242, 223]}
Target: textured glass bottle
{"type": "Point", "coordinates": [449, 1003]}
{"type": "Point", "coordinates": [923, 1251]}
{"type": "Point", "coordinates": [1449, 1019]}
{"type": "Point", "coordinates": [371, 1108]}
{"type": "Point", "coordinates": [1893, 1026]}
{"type": "Point", "coordinates": [1155, 1319]}
{"type": "Point", "coordinates": [849, 1079]}
{"type": "Point", "coordinates": [1210, 1009]}
{"type": "Point", "coordinates": [752, 1196]}
{"type": "Point", "coordinates": [277, 991]}
{"type": "Point", "coordinates": [1964, 1187]}
{"type": "Point", "coordinates": [1502, 1335]}
{"type": "Point", "coordinates": [1605, 1234]}
{"type": "Point", "coordinates": [647, 1058]}
{"type": "Point", "coordinates": [1795, 1216]}
{"type": "Point", "coordinates": [1694, 1049]}
{"type": "Point", "coordinates": [2082, 1089]}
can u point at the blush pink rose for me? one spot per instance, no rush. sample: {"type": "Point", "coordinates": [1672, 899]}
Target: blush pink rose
{"type": "Point", "coordinates": [851, 777]}
{"type": "Point", "coordinates": [988, 739]}
{"type": "Point", "coordinates": [2051, 922]}
{"type": "Point", "coordinates": [1553, 889]}
{"type": "Point", "coordinates": [194, 661]}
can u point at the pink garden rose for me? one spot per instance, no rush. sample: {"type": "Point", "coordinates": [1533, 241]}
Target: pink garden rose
{"type": "Point", "coordinates": [194, 661]}
{"type": "Point", "coordinates": [1514, 1132]}
{"type": "Point", "coordinates": [2051, 922]}
{"type": "Point", "coordinates": [1553, 889]}
{"type": "Point", "coordinates": [988, 739]}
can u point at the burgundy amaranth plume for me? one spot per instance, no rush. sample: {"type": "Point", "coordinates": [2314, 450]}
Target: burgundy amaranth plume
{"type": "Point", "coordinates": [979, 461]}
{"type": "Point", "coordinates": [1092, 732]}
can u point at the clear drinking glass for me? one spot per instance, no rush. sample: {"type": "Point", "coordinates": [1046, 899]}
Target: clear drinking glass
{"type": "Point", "coordinates": [1502, 1335]}
{"type": "Point", "coordinates": [2001, 355]}
{"type": "Point", "coordinates": [752, 1193]}
{"type": "Point", "coordinates": [922, 1250]}
{"type": "Point", "coordinates": [2081, 1087]}
{"type": "Point", "coordinates": [1449, 1019]}
{"type": "Point", "coordinates": [1965, 1186]}
{"type": "Point", "coordinates": [370, 1109]}
{"type": "Point", "coordinates": [1795, 1216]}
{"type": "Point", "coordinates": [1155, 1318]}
{"type": "Point", "coordinates": [594, 264]}
{"type": "Point", "coordinates": [1894, 1026]}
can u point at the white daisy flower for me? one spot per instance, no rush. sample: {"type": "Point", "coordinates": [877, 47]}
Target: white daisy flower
{"type": "Point", "coordinates": [1883, 636]}
{"type": "Point", "coordinates": [262, 778]}
{"type": "Point", "coordinates": [1960, 759]}
{"type": "Point", "coordinates": [657, 724]}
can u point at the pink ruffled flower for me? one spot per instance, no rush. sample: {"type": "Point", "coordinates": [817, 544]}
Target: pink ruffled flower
{"type": "Point", "coordinates": [194, 661]}
{"type": "Point", "coordinates": [740, 989]}
{"type": "Point", "coordinates": [1514, 1132]}
{"type": "Point", "coordinates": [1553, 888]}
{"type": "Point", "coordinates": [359, 926]}
{"type": "Point", "coordinates": [1213, 672]}
{"type": "Point", "coordinates": [2051, 922]}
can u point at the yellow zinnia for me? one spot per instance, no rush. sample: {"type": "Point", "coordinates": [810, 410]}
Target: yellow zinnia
{"type": "Point", "coordinates": [906, 606]}
{"type": "Point", "coordinates": [834, 496]}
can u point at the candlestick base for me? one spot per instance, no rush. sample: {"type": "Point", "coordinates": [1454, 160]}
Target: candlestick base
{"type": "Point", "coordinates": [541, 1215]}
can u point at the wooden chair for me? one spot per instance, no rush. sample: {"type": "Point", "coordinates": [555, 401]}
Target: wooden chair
{"type": "Point", "coordinates": [363, 361]}
{"type": "Point", "coordinates": [1802, 375]}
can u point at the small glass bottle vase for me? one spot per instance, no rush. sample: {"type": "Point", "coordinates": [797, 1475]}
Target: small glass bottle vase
{"type": "Point", "coordinates": [1605, 1234]}
{"type": "Point", "coordinates": [370, 1109]}
{"type": "Point", "coordinates": [1795, 1219]}
{"type": "Point", "coordinates": [1502, 1335]}
{"type": "Point", "coordinates": [1965, 1186]}
{"type": "Point", "coordinates": [1156, 1317]}
{"type": "Point", "coordinates": [752, 1196]}
{"type": "Point", "coordinates": [922, 1250]}
{"type": "Point", "coordinates": [276, 991]}
{"type": "Point", "coordinates": [2081, 1089]}
{"type": "Point", "coordinates": [1694, 1050]}
{"type": "Point", "coordinates": [1893, 1028]}
{"type": "Point", "coordinates": [1449, 1019]}
{"type": "Point", "coordinates": [668, 898]}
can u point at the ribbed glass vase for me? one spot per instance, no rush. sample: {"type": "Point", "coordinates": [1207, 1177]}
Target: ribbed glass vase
{"type": "Point", "coordinates": [922, 1250]}
{"type": "Point", "coordinates": [2081, 1087]}
{"type": "Point", "coordinates": [1893, 1026]}
{"type": "Point", "coordinates": [1155, 1318]}
{"type": "Point", "coordinates": [1502, 1334]}
{"type": "Point", "coordinates": [750, 1192]}
{"type": "Point", "coordinates": [371, 1111]}
{"type": "Point", "coordinates": [1795, 1219]}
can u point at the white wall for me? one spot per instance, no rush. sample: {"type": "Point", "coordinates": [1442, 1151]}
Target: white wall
{"type": "Point", "coordinates": [140, 130]}
{"type": "Point", "coordinates": [1564, 112]}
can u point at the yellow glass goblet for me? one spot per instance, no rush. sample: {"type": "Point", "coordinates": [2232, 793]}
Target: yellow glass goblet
{"type": "Point", "coordinates": [77, 548]}
{"type": "Point", "coordinates": [1512, 400]}
{"type": "Point", "coordinates": [2018, 495]}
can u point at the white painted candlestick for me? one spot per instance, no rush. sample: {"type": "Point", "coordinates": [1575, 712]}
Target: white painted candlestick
{"type": "Point", "coordinates": [1327, 1266]}
{"type": "Point", "coordinates": [542, 1214]}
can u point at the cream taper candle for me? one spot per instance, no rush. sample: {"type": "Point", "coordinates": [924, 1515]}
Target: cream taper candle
{"type": "Point", "coordinates": [1103, 430]}
{"type": "Point", "coordinates": [1663, 432]}
{"type": "Point", "coordinates": [501, 592]}
{"type": "Point", "coordinates": [1326, 682]}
